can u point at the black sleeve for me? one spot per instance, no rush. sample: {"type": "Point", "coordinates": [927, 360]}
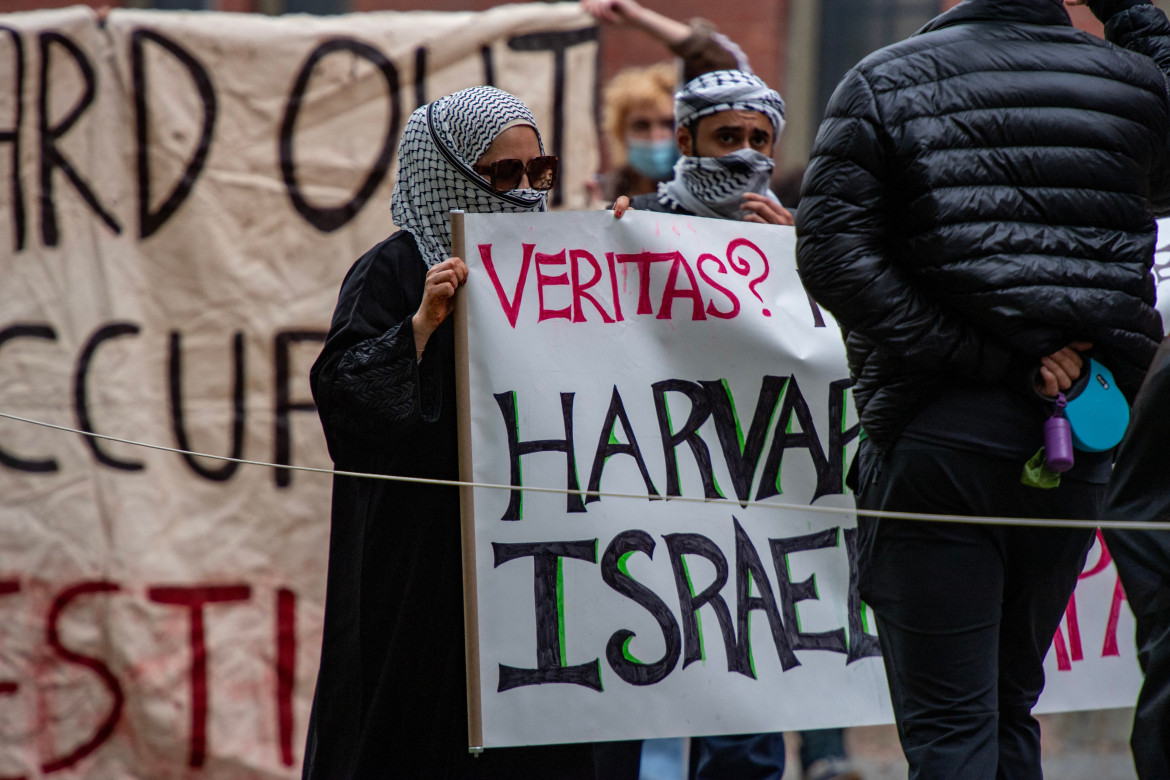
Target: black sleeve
{"type": "Point", "coordinates": [844, 258]}
{"type": "Point", "coordinates": [706, 50]}
{"type": "Point", "coordinates": [367, 383]}
{"type": "Point", "coordinates": [1143, 459]}
{"type": "Point", "coordinates": [1141, 27]}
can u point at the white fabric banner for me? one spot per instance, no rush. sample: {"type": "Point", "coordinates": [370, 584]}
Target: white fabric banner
{"type": "Point", "coordinates": [660, 357]}
{"type": "Point", "coordinates": [180, 197]}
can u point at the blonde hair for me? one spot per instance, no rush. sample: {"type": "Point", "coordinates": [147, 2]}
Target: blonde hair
{"type": "Point", "coordinates": [627, 90]}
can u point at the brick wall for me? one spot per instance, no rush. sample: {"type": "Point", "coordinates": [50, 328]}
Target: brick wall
{"type": "Point", "coordinates": [760, 28]}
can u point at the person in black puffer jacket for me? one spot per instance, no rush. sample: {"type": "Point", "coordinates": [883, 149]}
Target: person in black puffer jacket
{"type": "Point", "coordinates": [1140, 491]}
{"type": "Point", "coordinates": [978, 214]}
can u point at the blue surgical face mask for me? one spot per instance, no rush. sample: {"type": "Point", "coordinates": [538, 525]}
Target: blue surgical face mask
{"type": "Point", "coordinates": [654, 159]}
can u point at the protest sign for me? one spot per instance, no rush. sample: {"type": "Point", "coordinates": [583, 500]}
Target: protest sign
{"type": "Point", "coordinates": [678, 358]}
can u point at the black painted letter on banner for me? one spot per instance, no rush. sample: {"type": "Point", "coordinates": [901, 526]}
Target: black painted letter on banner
{"type": "Point", "coordinates": [861, 643]}
{"type": "Point", "coordinates": [690, 602]}
{"type": "Point", "coordinates": [420, 76]}
{"type": "Point", "coordinates": [700, 411]}
{"type": "Point", "coordinates": [614, 574]}
{"type": "Point", "coordinates": [558, 43]}
{"type": "Point", "coordinates": [12, 136]}
{"type": "Point", "coordinates": [785, 439]}
{"type": "Point", "coordinates": [742, 460]}
{"type": "Point", "coordinates": [226, 469]}
{"type": "Point", "coordinates": [33, 332]}
{"type": "Point", "coordinates": [51, 156]}
{"type": "Point", "coordinates": [282, 435]}
{"type": "Point", "coordinates": [792, 592]}
{"type": "Point", "coordinates": [81, 392]}
{"type": "Point", "coordinates": [550, 661]}
{"type": "Point", "coordinates": [517, 448]}
{"type": "Point", "coordinates": [608, 445]}
{"type": "Point", "coordinates": [330, 218]}
{"type": "Point", "coordinates": [149, 222]}
{"type": "Point", "coordinates": [839, 438]}
{"type": "Point", "coordinates": [749, 568]}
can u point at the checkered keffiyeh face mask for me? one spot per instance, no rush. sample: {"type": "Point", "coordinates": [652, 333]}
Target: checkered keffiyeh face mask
{"type": "Point", "coordinates": [714, 186]}
{"type": "Point", "coordinates": [441, 142]}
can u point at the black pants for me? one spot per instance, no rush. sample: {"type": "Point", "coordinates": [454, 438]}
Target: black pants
{"type": "Point", "coordinates": [1140, 491]}
{"type": "Point", "coordinates": [1143, 561]}
{"type": "Point", "coordinates": [742, 756]}
{"type": "Point", "coordinates": [965, 613]}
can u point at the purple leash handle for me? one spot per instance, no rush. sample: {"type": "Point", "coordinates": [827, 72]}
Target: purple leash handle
{"type": "Point", "coordinates": [1058, 448]}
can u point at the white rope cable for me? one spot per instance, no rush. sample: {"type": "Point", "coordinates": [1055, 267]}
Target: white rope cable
{"type": "Point", "coordinates": [1124, 525]}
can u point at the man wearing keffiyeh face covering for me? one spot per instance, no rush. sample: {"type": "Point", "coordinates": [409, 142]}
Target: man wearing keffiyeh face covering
{"type": "Point", "coordinates": [391, 696]}
{"type": "Point", "coordinates": [727, 123]}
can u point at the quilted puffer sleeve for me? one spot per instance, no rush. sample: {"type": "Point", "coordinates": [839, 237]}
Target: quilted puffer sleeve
{"type": "Point", "coordinates": [1143, 28]}
{"type": "Point", "coordinates": [844, 247]}
{"type": "Point", "coordinates": [1143, 460]}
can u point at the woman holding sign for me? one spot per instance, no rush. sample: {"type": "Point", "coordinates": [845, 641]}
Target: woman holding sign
{"type": "Point", "coordinates": [391, 695]}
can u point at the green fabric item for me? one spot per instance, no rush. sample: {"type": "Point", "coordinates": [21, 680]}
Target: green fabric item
{"type": "Point", "coordinates": [1037, 474]}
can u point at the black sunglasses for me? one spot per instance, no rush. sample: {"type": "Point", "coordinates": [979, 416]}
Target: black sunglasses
{"type": "Point", "coordinates": [505, 175]}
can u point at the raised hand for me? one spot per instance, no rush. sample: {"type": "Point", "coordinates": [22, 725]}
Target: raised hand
{"type": "Point", "coordinates": [438, 302]}
{"type": "Point", "coordinates": [763, 209]}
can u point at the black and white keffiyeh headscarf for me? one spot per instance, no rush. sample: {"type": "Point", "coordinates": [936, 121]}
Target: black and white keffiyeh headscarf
{"type": "Point", "coordinates": [728, 90]}
{"type": "Point", "coordinates": [714, 186]}
{"type": "Point", "coordinates": [441, 142]}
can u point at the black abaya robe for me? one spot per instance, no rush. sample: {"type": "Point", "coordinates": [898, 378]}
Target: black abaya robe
{"type": "Point", "coordinates": [391, 692]}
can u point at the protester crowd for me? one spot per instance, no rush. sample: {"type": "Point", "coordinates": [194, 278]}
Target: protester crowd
{"type": "Point", "coordinates": [978, 215]}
